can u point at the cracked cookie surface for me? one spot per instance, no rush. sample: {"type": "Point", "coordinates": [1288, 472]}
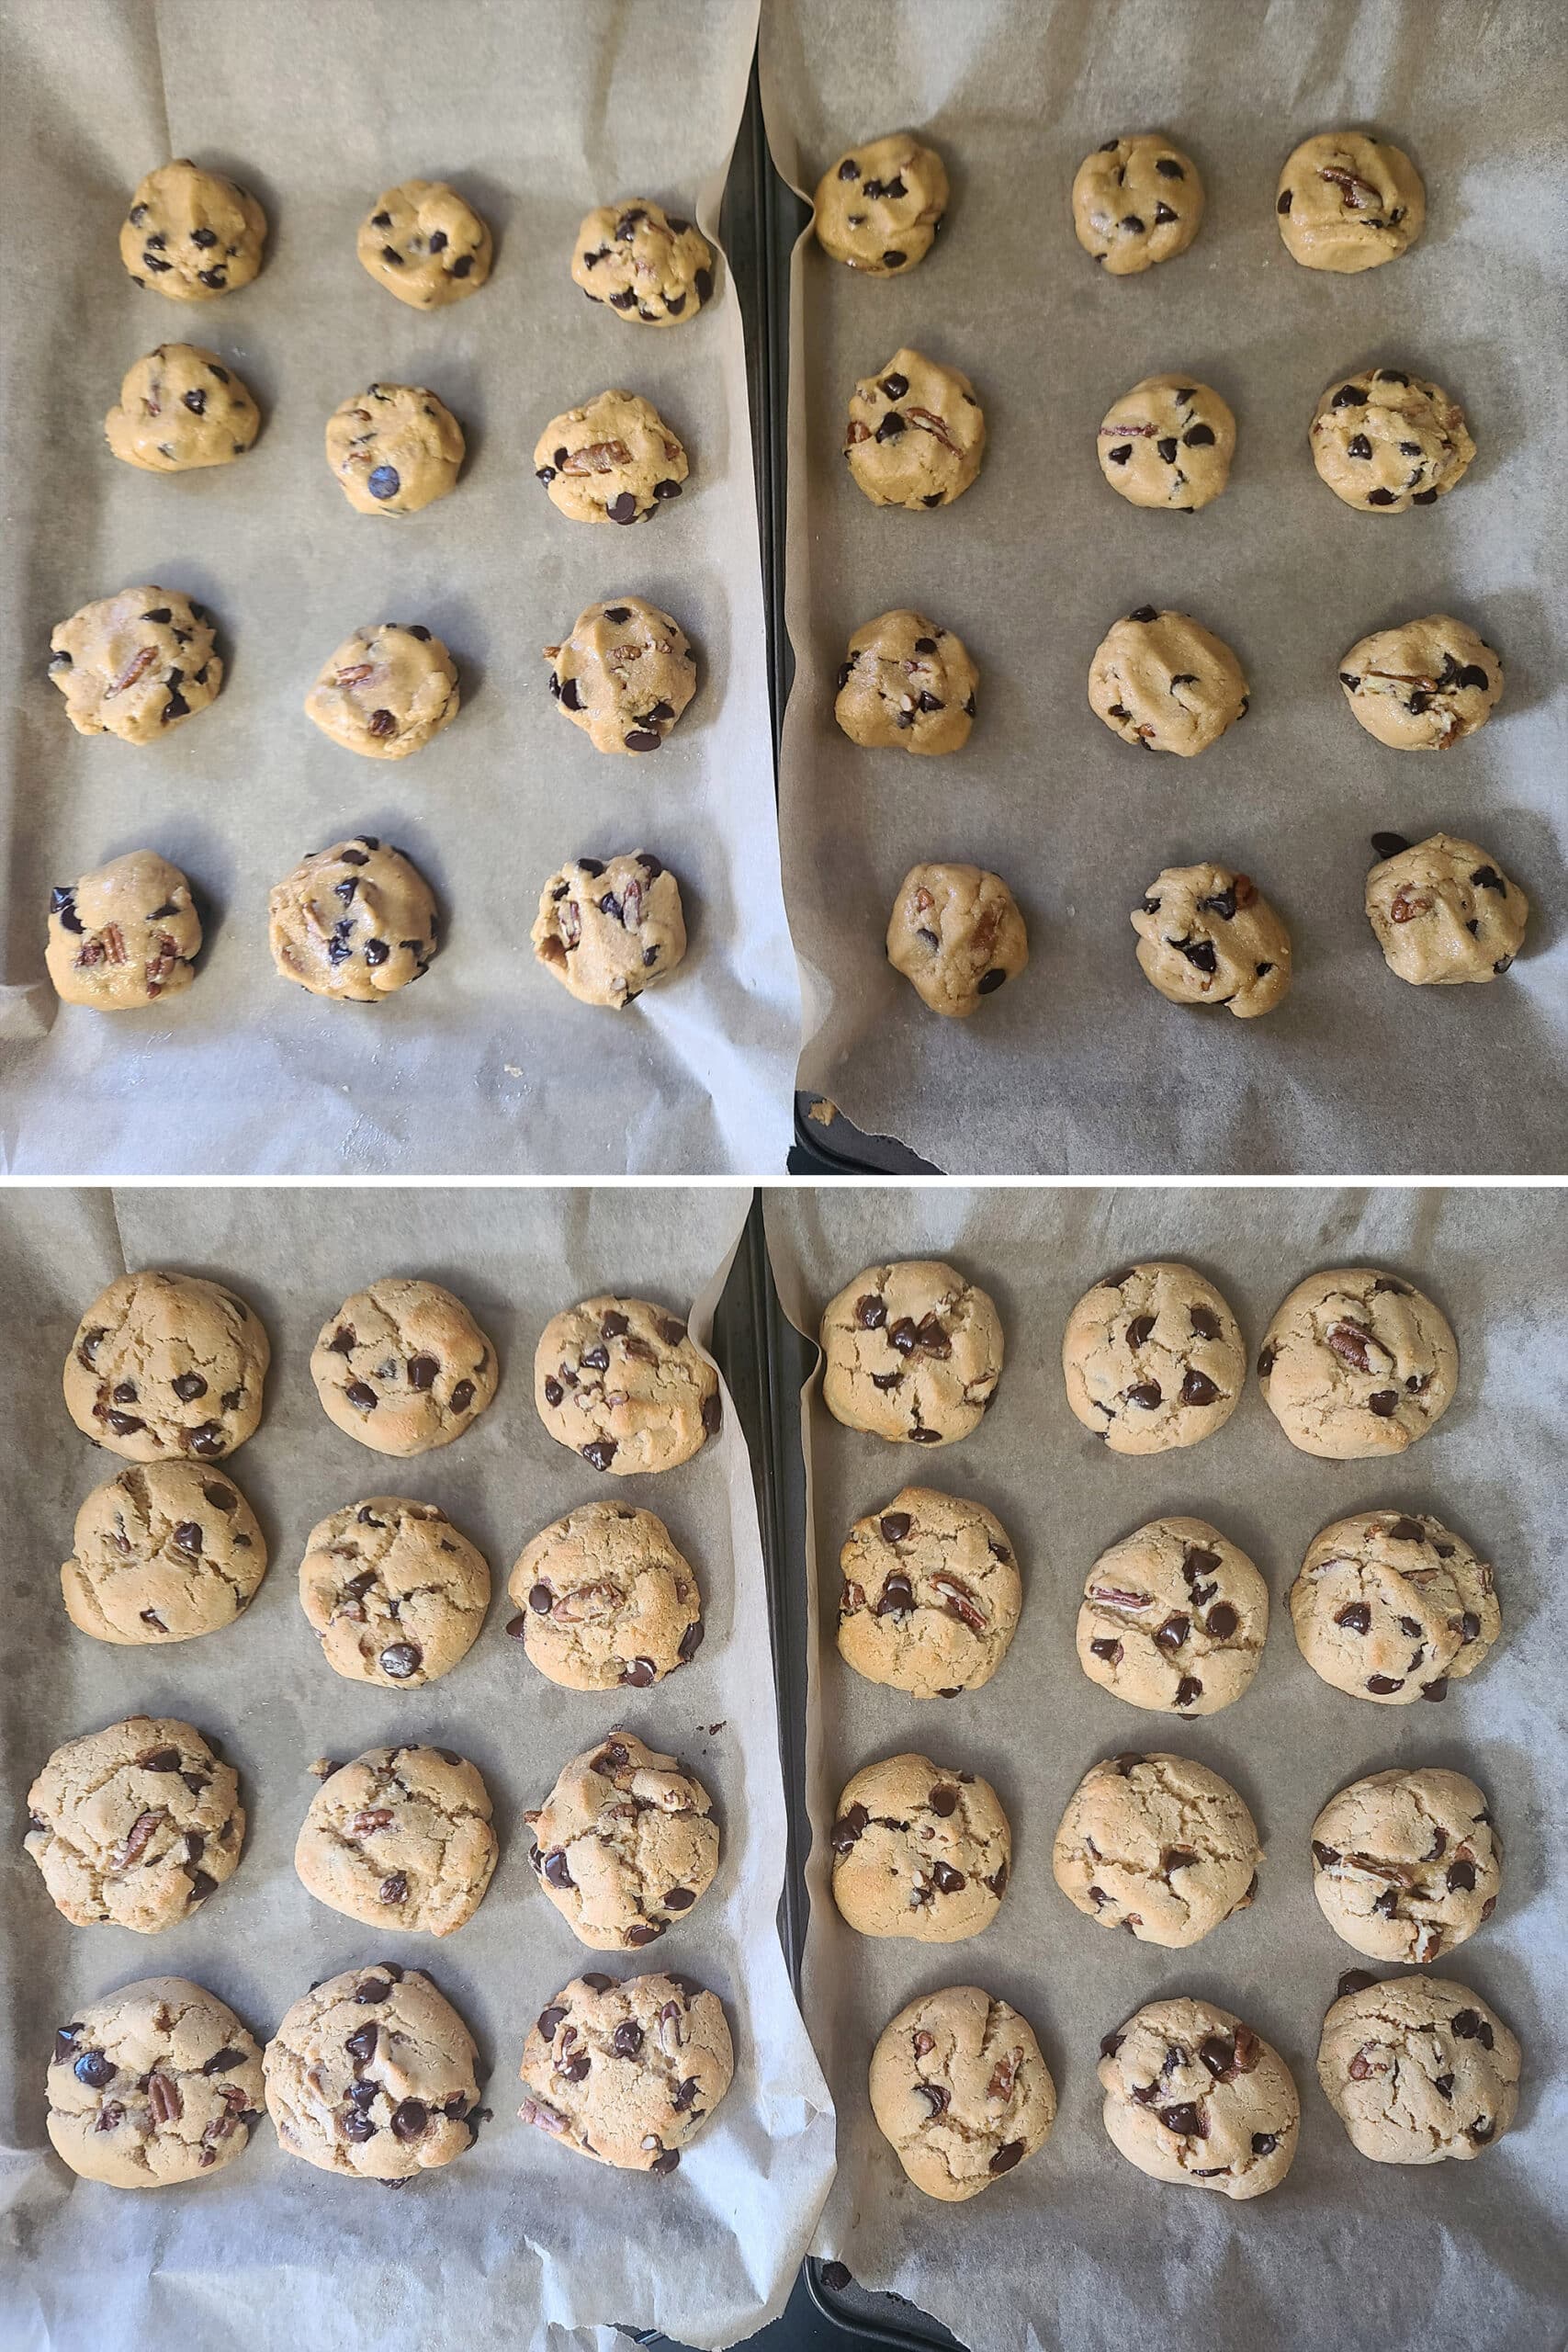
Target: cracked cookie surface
{"type": "Point", "coordinates": [1393, 1606]}
{"type": "Point", "coordinates": [620, 1381]}
{"type": "Point", "coordinates": [956, 934]}
{"type": "Point", "coordinates": [164, 1366]}
{"type": "Point", "coordinates": [1136, 201]}
{"type": "Point", "coordinates": [624, 1844]}
{"type": "Point", "coordinates": [1162, 681]}
{"type": "Point", "coordinates": [916, 433]}
{"type": "Point", "coordinates": [920, 1851]}
{"type": "Point", "coordinates": [401, 1838]}
{"type": "Point", "coordinates": [623, 675]}
{"type": "Point", "coordinates": [960, 2091]}
{"type": "Point", "coordinates": [907, 685]}
{"type": "Point", "coordinates": [612, 460]}
{"type": "Point", "coordinates": [135, 1825]}
{"type": "Point", "coordinates": [1173, 1616]}
{"type": "Point", "coordinates": [136, 664]}
{"type": "Point", "coordinates": [163, 1553]}
{"type": "Point", "coordinates": [605, 1601]}
{"type": "Point", "coordinates": [912, 1352]}
{"type": "Point", "coordinates": [651, 266]}
{"type": "Point", "coordinates": [192, 235]}
{"type": "Point", "coordinates": [1153, 1358]}
{"type": "Point", "coordinates": [123, 936]}
{"type": "Point", "coordinates": [878, 208]}
{"type": "Point", "coordinates": [1193, 2095]}
{"type": "Point", "coordinates": [180, 408]}
{"type": "Point", "coordinates": [1356, 1364]}
{"type": "Point", "coordinates": [372, 2073]}
{"type": "Point", "coordinates": [1168, 444]}
{"type": "Point", "coordinates": [1418, 2069]}
{"type": "Point", "coordinates": [154, 2083]}
{"type": "Point", "coordinates": [386, 691]}
{"type": "Point", "coordinates": [1424, 686]}
{"type": "Point", "coordinates": [355, 921]}
{"type": "Point", "coordinates": [1384, 441]}
{"type": "Point", "coordinates": [394, 448]}
{"type": "Point", "coordinates": [425, 244]}
{"type": "Point", "coordinates": [1208, 937]}
{"type": "Point", "coordinates": [394, 1593]}
{"type": "Point", "coordinates": [1444, 912]}
{"type": "Point", "coordinates": [1406, 1864]}
{"type": "Point", "coordinates": [931, 1594]}
{"type": "Point", "coordinates": [609, 928]}
{"type": "Point", "coordinates": [404, 1367]}
{"type": "Point", "coordinates": [626, 2072]}
{"type": "Point", "coordinates": [1347, 202]}
{"type": "Point", "coordinates": [1159, 1845]}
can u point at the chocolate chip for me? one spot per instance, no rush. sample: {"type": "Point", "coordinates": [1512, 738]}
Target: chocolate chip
{"type": "Point", "coordinates": [1012, 2151]}
{"type": "Point", "coordinates": [1145, 1394]}
{"type": "Point", "coordinates": [383, 482]}
{"type": "Point", "coordinates": [94, 2069]}
{"type": "Point", "coordinates": [1284, 203]}
{"type": "Point", "coordinates": [1144, 613]}
{"type": "Point", "coordinates": [947, 1880]}
{"type": "Point", "coordinates": [1383, 1684]}
{"type": "Point", "coordinates": [554, 1869]}
{"type": "Point", "coordinates": [1221, 1622]}
{"type": "Point", "coordinates": [599, 1453]}
{"type": "Point", "coordinates": [849, 1829]}
{"type": "Point", "coordinates": [1183, 2119]}
{"type": "Point", "coordinates": [1170, 1636]}
{"type": "Point", "coordinates": [1382, 1402]}
{"type": "Point", "coordinates": [690, 1640]}
{"type": "Point", "coordinates": [394, 1888]}
{"type": "Point", "coordinates": [402, 1660]}
{"type": "Point", "coordinates": [409, 2118]}
{"type": "Point", "coordinates": [638, 1673]}
{"type": "Point", "coordinates": [626, 2039]}
{"type": "Point", "coordinates": [1201, 436]}
{"type": "Point", "coordinates": [1197, 1388]}
{"type": "Point", "coordinates": [1187, 1691]}
{"type": "Point", "coordinates": [891, 426]}
{"type": "Point", "coordinates": [1109, 1649]}
{"type": "Point", "coordinates": [422, 1371]}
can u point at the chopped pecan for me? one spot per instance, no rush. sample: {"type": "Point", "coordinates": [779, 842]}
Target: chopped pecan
{"type": "Point", "coordinates": [136, 668]}
{"type": "Point", "coordinates": [598, 457]}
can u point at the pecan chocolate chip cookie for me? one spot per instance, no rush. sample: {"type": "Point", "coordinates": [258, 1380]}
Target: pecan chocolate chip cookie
{"type": "Point", "coordinates": [1193, 2095]}
{"type": "Point", "coordinates": [1393, 1606]}
{"type": "Point", "coordinates": [613, 460]}
{"type": "Point", "coordinates": [1357, 1363]}
{"type": "Point", "coordinates": [1175, 1615]}
{"type": "Point", "coordinates": [181, 408]}
{"type": "Point", "coordinates": [621, 1382]}
{"type": "Point", "coordinates": [401, 1837]}
{"type": "Point", "coordinates": [907, 685]}
{"type": "Point", "coordinates": [650, 265]}
{"type": "Point", "coordinates": [1168, 443]}
{"type": "Point", "coordinates": [604, 1601]}
{"type": "Point", "coordinates": [623, 675]}
{"type": "Point", "coordinates": [956, 934]}
{"type": "Point", "coordinates": [165, 1365]}
{"type": "Point", "coordinates": [372, 2073]}
{"type": "Point", "coordinates": [920, 1851]}
{"type": "Point", "coordinates": [136, 664]}
{"type": "Point", "coordinates": [1423, 687]}
{"type": "Point", "coordinates": [1386, 441]}
{"type": "Point", "coordinates": [626, 2072]}
{"type": "Point", "coordinates": [1406, 1864]}
{"type": "Point", "coordinates": [931, 1595]}
{"type": "Point", "coordinates": [1159, 1845]}
{"type": "Point", "coordinates": [404, 1367]}
{"type": "Point", "coordinates": [1153, 1358]}
{"type": "Point", "coordinates": [1162, 681]}
{"type": "Point", "coordinates": [960, 2091]}
{"type": "Point", "coordinates": [607, 929]}
{"type": "Point", "coordinates": [1136, 201]}
{"type": "Point", "coordinates": [1418, 2069]}
{"type": "Point", "coordinates": [192, 234]}
{"type": "Point", "coordinates": [1208, 937]}
{"type": "Point", "coordinates": [624, 1844]}
{"type": "Point", "coordinates": [394, 448]}
{"type": "Point", "coordinates": [1347, 202]}
{"type": "Point", "coordinates": [386, 691]}
{"type": "Point", "coordinates": [878, 208]}
{"type": "Point", "coordinates": [425, 245]}
{"type": "Point", "coordinates": [123, 936]}
{"type": "Point", "coordinates": [1444, 912]}
{"type": "Point", "coordinates": [156, 2084]}
{"type": "Point", "coordinates": [912, 1352]}
{"type": "Point", "coordinates": [136, 1825]}
{"type": "Point", "coordinates": [163, 1553]}
{"type": "Point", "coordinates": [916, 433]}
{"type": "Point", "coordinates": [395, 1595]}
{"type": "Point", "coordinates": [355, 921]}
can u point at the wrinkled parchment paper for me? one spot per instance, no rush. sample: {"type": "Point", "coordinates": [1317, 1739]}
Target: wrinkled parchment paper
{"type": "Point", "coordinates": [1077, 2248]}
{"type": "Point", "coordinates": [487, 1065]}
{"type": "Point", "coordinates": [1079, 1066]}
{"type": "Point", "coordinates": [517, 2241]}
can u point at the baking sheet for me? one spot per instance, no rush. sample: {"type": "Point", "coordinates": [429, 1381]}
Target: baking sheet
{"type": "Point", "coordinates": [1077, 2248]}
{"type": "Point", "coordinates": [516, 2242]}
{"type": "Point", "coordinates": [538, 113]}
{"type": "Point", "coordinates": [1079, 1066]}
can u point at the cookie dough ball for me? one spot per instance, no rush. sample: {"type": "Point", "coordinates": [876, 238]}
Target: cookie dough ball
{"type": "Point", "coordinates": [1393, 1606]}
{"type": "Point", "coordinates": [1165, 683]}
{"type": "Point", "coordinates": [1444, 913]}
{"type": "Point", "coordinates": [624, 1844]}
{"type": "Point", "coordinates": [1173, 1616]}
{"type": "Point", "coordinates": [956, 934]}
{"type": "Point", "coordinates": [911, 1352]}
{"type": "Point", "coordinates": [425, 245]}
{"type": "Point", "coordinates": [1356, 1364]}
{"type": "Point", "coordinates": [614, 460]}
{"type": "Point", "coordinates": [192, 234]}
{"type": "Point", "coordinates": [165, 1365]}
{"type": "Point", "coordinates": [650, 265]}
{"type": "Point", "coordinates": [1418, 2069]}
{"type": "Point", "coordinates": [163, 1553]}
{"type": "Point", "coordinates": [879, 207]}
{"type": "Point", "coordinates": [1406, 1864]}
{"type": "Point", "coordinates": [156, 2084]}
{"type": "Point", "coordinates": [1168, 443]}
{"type": "Point", "coordinates": [1193, 2095]}
{"type": "Point", "coordinates": [623, 675]}
{"type": "Point", "coordinates": [1208, 937]}
{"type": "Point", "coordinates": [920, 1851]}
{"type": "Point", "coordinates": [960, 2091]}
{"type": "Point", "coordinates": [1136, 201]}
{"type": "Point", "coordinates": [123, 936]}
{"type": "Point", "coordinates": [606, 930]}
{"type": "Point", "coordinates": [395, 449]}
{"type": "Point", "coordinates": [1153, 1358]}
{"type": "Point", "coordinates": [916, 434]}
{"type": "Point", "coordinates": [626, 2073]}
{"type": "Point", "coordinates": [386, 691]}
{"type": "Point", "coordinates": [393, 1592]}
{"type": "Point", "coordinates": [179, 409]}
{"type": "Point", "coordinates": [1386, 441]}
{"type": "Point", "coordinates": [931, 1595]}
{"type": "Point", "coordinates": [356, 921]}
{"type": "Point", "coordinates": [136, 664]}
{"type": "Point", "coordinates": [372, 2073]}
{"type": "Point", "coordinates": [135, 1825]}
{"type": "Point", "coordinates": [620, 1380]}
{"type": "Point", "coordinates": [404, 1367]}
{"type": "Point", "coordinates": [605, 1601]}
{"type": "Point", "coordinates": [401, 1837]}
{"type": "Point", "coordinates": [1423, 687]}
{"type": "Point", "coordinates": [1347, 202]}
{"type": "Point", "coordinates": [1159, 1845]}
{"type": "Point", "coordinates": [907, 685]}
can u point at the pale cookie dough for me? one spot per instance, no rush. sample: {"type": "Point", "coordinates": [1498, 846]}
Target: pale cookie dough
{"type": "Point", "coordinates": [607, 929]}
{"type": "Point", "coordinates": [393, 1592]}
{"type": "Point", "coordinates": [1387, 441]}
{"type": "Point", "coordinates": [372, 2073]}
{"type": "Point", "coordinates": [956, 934]}
{"type": "Point", "coordinates": [395, 449]}
{"type": "Point", "coordinates": [960, 2091]}
{"type": "Point", "coordinates": [1406, 1864]}
{"type": "Point", "coordinates": [878, 208]}
{"type": "Point", "coordinates": [1207, 936]}
{"type": "Point", "coordinates": [163, 1553]}
{"type": "Point", "coordinates": [1168, 443]}
{"type": "Point", "coordinates": [404, 1367]}
{"type": "Point", "coordinates": [123, 936]}
{"type": "Point", "coordinates": [931, 1595]}
{"type": "Point", "coordinates": [153, 2084]}
{"type": "Point", "coordinates": [920, 1851]}
{"type": "Point", "coordinates": [650, 266]}
{"type": "Point", "coordinates": [135, 1825]}
{"type": "Point", "coordinates": [179, 409]}
{"type": "Point", "coordinates": [623, 675]}
{"type": "Point", "coordinates": [613, 460]}
{"type": "Point", "coordinates": [355, 921]}
{"type": "Point", "coordinates": [1159, 1845]}
{"type": "Point", "coordinates": [1356, 1364]}
{"type": "Point", "coordinates": [626, 2072]}
{"type": "Point", "coordinates": [1393, 1606]}
{"type": "Point", "coordinates": [605, 1601]}
{"type": "Point", "coordinates": [1444, 913]}
{"type": "Point", "coordinates": [620, 1380]}
{"type": "Point", "coordinates": [1193, 2095]}
{"type": "Point", "coordinates": [425, 245]}
{"type": "Point", "coordinates": [1153, 1358]}
{"type": "Point", "coordinates": [1347, 202]}
{"type": "Point", "coordinates": [1418, 2069]}
{"type": "Point", "coordinates": [192, 234]}
{"type": "Point", "coordinates": [386, 691]}
{"type": "Point", "coordinates": [1136, 201]}
{"type": "Point", "coordinates": [916, 434]}
{"type": "Point", "coordinates": [1423, 687]}
{"type": "Point", "coordinates": [1164, 682]}
{"type": "Point", "coordinates": [624, 1844]}
{"type": "Point", "coordinates": [164, 1365]}
{"type": "Point", "coordinates": [136, 664]}
{"type": "Point", "coordinates": [401, 1837]}
{"type": "Point", "coordinates": [1175, 1615]}
{"type": "Point", "coordinates": [911, 1352]}
{"type": "Point", "coordinates": [907, 685]}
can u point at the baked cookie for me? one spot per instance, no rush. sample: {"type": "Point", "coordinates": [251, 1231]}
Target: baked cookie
{"type": "Point", "coordinates": [1406, 1864]}
{"type": "Point", "coordinates": [192, 234]}
{"type": "Point", "coordinates": [1444, 913]}
{"type": "Point", "coordinates": [1168, 443]}
{"type": "Point", "coordinates": [136, 664]}
{"type": "Point", "coordinates": [1386, 441]}
{"type": "Point", "coordinates": [404, 1367]}
{"type": "Point", "coordinates": [624, 1844]}
{"type": "Point", "coordinates": [1192, 2095]}
{"type": "Point", "coordinates": [1159, 1845]}
{"type": "Point", "coordinates": [1207, 936]}
{"type": "Point", "coordinates": [1153, 1358]}
{"type": "Point", "coordinates": [920, 1851]}
{"type": "Point", "coordinates": [911, 1352]}
{"type": "Point", "coordinates": [1357, 1363]}
{"type": "Point", "coordinates": [155, 2083]}
{"type": "Point", "coordinates": [1423, 687]}
{"type": "Point", "coordinates": [956, 934]}
{"type": "Point", "coordinates": [907, 685]}
{"type": "Point", "coordinates": [623, 675]}
{"type": "Point", "coordinates": [960, 2091]}
{"type": "Point", "coordinates": [1136, 201]}
{"type": "Point", "coordinates": [916, 434]}
{"type": "Point", "coordinates": [1175, 1615]}
{"type": "Point", "coordinates": [626, 2072]}
{"type": "Point", "coordinates": [386, 691]}
{"type": "Point", "coordinates": [164, 1365]}
{"type": "Point", "coordinates": [607, 929]}
{"type": "Point", "coordinates": [613, 460]}
{"type": "Point", "coordinates": [392, 1591]}
{"type": "Point", "coordinates": [123, 936]}
{"type": "Point", "coordinates": [135, 1825]}
{"type": "Point", "coordinates": [648, 264]}
{"type": "Point", "coordinates": [425, 245]}
{"type": "Point", "coordinates": [1347, 202]}
{"type": "Point", "coordinates": [1164, 682]}
{"type": "Point", "coordinates": [401, 1837]}
{"type": "Point", "coordinates": [1417, 2069]}
{"type": "Point", "coordinates": [179, 409]}
{"type": "Point", "coordinates": [1393, 1606]}
{"type": "Point", "coordinates": [372, 2073]}
{"type": "Point", "coordinates": [931, 1595]}
{"type": "Point", "coordinates": [878, 207]}
{"type": "Point", "coordinates": [605, 1601]}
{"type": "Point", "coordinates": [163, 1553]}
{"type": "Point", "coordinates": [355, 921]}
{"type": "Point", "coordinates": [394, 448]}
{"type": "Point", "coordinates": [621, 1382]}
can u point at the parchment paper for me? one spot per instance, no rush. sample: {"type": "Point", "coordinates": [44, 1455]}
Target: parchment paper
{"type": "Point", "coordinates": [1077, 2249]}
{"type": "Point", "coordinates": [487, 1065]}
{"type": "Point", "coordinates": [516, 2243]}
{"type": "Point", "coordinates": [1079, 1064]}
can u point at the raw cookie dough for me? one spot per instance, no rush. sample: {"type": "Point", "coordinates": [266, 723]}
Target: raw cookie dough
{"type": "Point", "coordinates": [164, 1366]}
{"type": "Point", "coordinates": [648, 264]}
{"type": "Point", "coordinates": [1168, 443]}
{"type": "Point", "coordinates": [1406, 1864]}
{"type": "Point", "coordinates": [401, 1837]}
{"type": "Point", "coordinates": [1136, 201]}
{"type": "Point", "coordinates": [163, 1553]}
{"type": "Point", "coordinates": [1423, 687]}
{"type": "Point", "coordinates": [1443, 912]}
{"type": "Point", "coordinates": [136, 1825]}
{"type": "Point", "coordinates": [1347, 202]}
{"type": "Point", "coordinates": [394, 448]}
{"type": "Point", "coordinates": [136, 664]}
{"type": "Point", "coordinates": [907, 685]}
{"type": "Point", "coordinates": [425, 245]}
{"type": "Point", "coordinates": [626, 2072]}
{"type": "Point", "coordinates": [393, 1592]}
{"type": "Point", "coordinates": [1153, 1358]}
{"type": "Point", "coordinates": [960, 2091]}
{"type": "Point", "coordinates": [911, 1352]}
{"type": "Point", "coordinates": [604, 1601]}
{"type": "Point", "coordinates": [1387, 441]}
{"type": "Point", "coordinates": [931, 1595]}
{"type": "Point", "coordinates": [1175, 1615]}
{"type": "Point", "coordinates": [404, 1367]}
{"type": "Point", "coordinates": [920, 1851]}
{"type": "Point", "coordinates": [1207, 936]}
{"type": "Point", "coordinates": [607, 929]}
{"type": "Point", "coordinates": [180, 408]}
{"type": "Point", "coordinates": [123, 936]}
{"type": "Point", "coordinates": [356, 921]}
{"type": "Point", "coordinates": [386, 691]}
{"type": "Point", "coordinates": [1192, 2095]}
{"type": "Point", "coordinates": [1159, 1845]}
{"type": "Point", "coordinates": [155, 2083]}
{"type": "Point", "coordinates": [878, 207]}
{"type": "Point", "coordinates": [614, 460]}
{"type": "Point", "coordinates": [620, 1380]}
{"type": "Point", "coordinates": [916, 434]}
{"type": "Point", "coordinates": [192, 234]}
{"type": "Point", "coordinates": [624, 1844]}
{"type": "Point", "coordinates": [1164, 682]}
{"type": "Point", "coordinates": [1417, 2069]}
{"type": "Point", "coordinates": [1393, 1606]}
{"type": "Point", "coordinates": [623, 675]}
{"type": "Point", "coordinates": [1356, 1364]}
{"type": "Point", "coordinates": [372, 2073]}
{"type": "Point", "coordinates": [956, 934]}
